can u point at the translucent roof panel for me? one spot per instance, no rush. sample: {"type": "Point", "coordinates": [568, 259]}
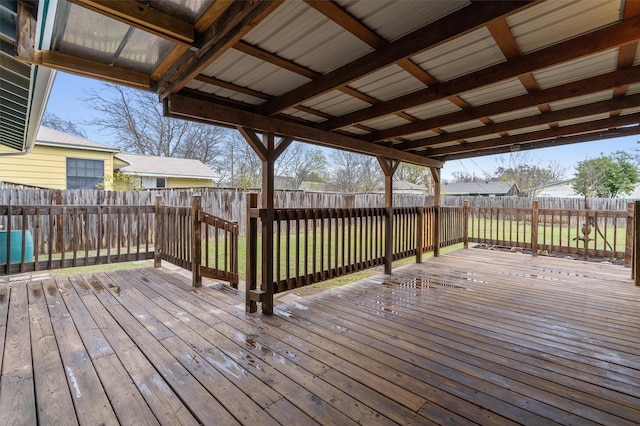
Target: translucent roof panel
{"type": "Point", "coordinates": [90, 35]}
{"type": "Point", "coordinates": [143, 51]}
{"type": "Point", "coordinates": [187, 10]}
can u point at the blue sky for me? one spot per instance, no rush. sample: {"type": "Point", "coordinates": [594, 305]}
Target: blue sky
{"type": "Point", "coordinates": [65, 102]}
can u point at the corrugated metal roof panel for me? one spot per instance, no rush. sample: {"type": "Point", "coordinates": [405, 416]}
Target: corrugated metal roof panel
{"type": "Point", "coordinates": [514, 115]}
{"type": "Point", "coordinates": [630, 111]}
{"type": "Point", "coordinates": [223, 93]}
{"type": "Point", "coordinates": [472, 124]}
{"type": "Point", "coordinates": [444, 144]}
{"type": "Point", "coordinates": [636, 60]}
{"type": "Point", "coordinates": [578, 69]}
{"type": "Point", "coordinates": [303, 115]}
{"type": "Point", "coordinates": [528, 129]}
{"type": "Point", "coordinates": [310, 38]}
{"type": "Point", "coordinates": [483, 138]}
{"type": "Point", "coordinates": [583, 119]}
{"type": "Point", "coordinates": [335, 103]}
{"type": "Point", "coordinates": [355, 130]}
{"type": "Point", "coordinates": [464, 55]}
{"type": "Point", "coordinates": [420, 135]}
{"type": "Point", "coordinates": [91, 35]}
{"type": "Point", "coordinates": [495, 92]}
{"type": "Point", "coordinates": [555, 20]}
{"type": "Point", "coordinates": [633, 89]}
{"type": "Point", "coordinates": [385, 122]}
{"type": "Point", "coordinates": [581, 100]}
{"type": "Point", "coordinates": [433, 109]}
{"type": "Point", "coordinates": [387, 83]}
{"type": "Point", "coordinates": [245, 70]}
{"type": "Point", "coordinates": [187, 10]}
{"type": "Point", "coordinates": [393, 19]}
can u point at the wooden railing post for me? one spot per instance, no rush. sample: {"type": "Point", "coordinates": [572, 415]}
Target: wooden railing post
{"type": "Point", "coordinates": [159, 234]}
{"type": "Point", "coordinates": [628, 245]}
{"type": "Point", "coordinates": [419, 234]}
{"type": "Point", "coordinates": [196, 241]}
{"type": "Point", "coordinates": [534, 228]}
{"type": "Point", "coordinates": [252, 253]}
{"type": "Point", "coordinates": [465, 224]}
{"type": "Point", "coordinates": [636, 243]}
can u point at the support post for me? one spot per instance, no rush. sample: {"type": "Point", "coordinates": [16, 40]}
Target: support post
{"type": "Point", "coordinates": [159, 233]}
{"type": "Point", "coordinates": [419, 234]}
{"type": "Point", "coordinates": [59, 225]}
{"type": "Point", "coordinates": [389, 167]}
{"type": "Point", "coordinates": [636, 243]}
{"type": "Point", "coordinates": [196, 240]}
{"type": "Point", "coordinates": [628, 246]}
{"type": "Point", "coordinates": [465, 224]}
{"type": "Point", "coordinates": [268, 177]}
{"type": "Point", "coordinates": [252, 252]}
{"type": "Point", "coordinates": [437, 200]}
{"type": "Point", "coordinates": [534, 228]}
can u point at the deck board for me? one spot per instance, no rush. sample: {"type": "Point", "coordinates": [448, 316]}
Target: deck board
{"type": "Point", "coordinates": [471, 337]}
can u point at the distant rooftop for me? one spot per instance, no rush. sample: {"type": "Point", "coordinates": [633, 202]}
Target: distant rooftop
{"type": "Point", "coordinates": [494, 187]}
{"type": "Point", "coordinates": [147, 165]}
{"type": "Point", "coordinates": [50, 137]}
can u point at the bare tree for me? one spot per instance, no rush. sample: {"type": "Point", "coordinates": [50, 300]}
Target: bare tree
{"type": "Point", "coordinates": [302, 162]}
{"type": "Point", "coordinates": [466, 177]}
{"type": "Point", "coordinates": [135, 118]}
{"type": "Point", "coordinates": [54, 122]}
{"type": "Point", "coordinates": [418, 175]}
{"type": "Point", "coordinates": [520, 168]}
{"type": "Point", "coordinates": [353, 172]}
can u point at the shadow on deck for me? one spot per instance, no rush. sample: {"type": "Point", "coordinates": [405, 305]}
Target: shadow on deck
{"type": "Point", "coordinates": [469, 337]}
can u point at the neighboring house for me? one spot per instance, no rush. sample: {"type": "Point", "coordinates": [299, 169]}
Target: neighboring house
{"type": "Point", "coordinates": [559, 188]}
{"type": "Point", "coordinates": [59, 161]}
{"type": "Point", "coordinates": [404, 187]}
{"type": "Point", "coordinates": [309, 186]}
{"type": "Point", "coordinates": [165, 172]}
{"type": "Point", "coordinates": [494, 188]}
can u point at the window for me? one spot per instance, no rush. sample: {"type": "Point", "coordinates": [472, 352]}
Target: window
{"type": "Point", "coordinates": [83, 173]}
{"type": "Point", "coordinates": [161, 183]}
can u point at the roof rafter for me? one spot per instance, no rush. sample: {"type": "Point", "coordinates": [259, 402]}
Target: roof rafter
{"type": "Point", "coordinates": [591, 126]}
{"type": "Point", "coordinates": [587, 44]}
{"type": "Point", "coordinates": [233, 24]}
{"type": "Point", "coordinates": [186, 107]}
{"type": "Point", "coordinates": [144, 17]}
{"type": "Point", "coordinates": [547, 143]}
{"type": "Point", "coordinates": [451, 26]}
{"type": "Point", "coordinates": [583, 87]}
{"type": "Point", "coordinates": [540, 119]}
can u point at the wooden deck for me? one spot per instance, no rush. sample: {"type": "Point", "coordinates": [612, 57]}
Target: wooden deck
{"type": "Point", "coordinates": [471, 337]}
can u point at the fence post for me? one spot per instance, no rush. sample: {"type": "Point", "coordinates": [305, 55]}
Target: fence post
{"type": "Point", "coordinates": [419, 234]}
{"type": "Point", "coordinates": [534, 228]}
{"type": "Point", "coordinates": [636, 243]}
{"type": "Point", "coordinates": [628, 249]}
{"type": "Point", "coordinates": [196, 241]}
{"type": "Point", "coordinates": [465, 224]}
{"type": "Point", "coordinates": [59, 224]}
{"type": "Point", "coordinates": [159, 234]}
{"type": "Point", "coordinates": [251, 233]}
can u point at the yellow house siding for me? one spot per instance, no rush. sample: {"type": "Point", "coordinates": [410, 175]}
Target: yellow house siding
{"type": "Point", "coordinates": [187, 182]}
{"type": "Point", "coordinates": [47, 165]}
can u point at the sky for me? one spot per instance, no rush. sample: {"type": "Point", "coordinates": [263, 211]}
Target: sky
{"type": "Point", "coordinates": [67, 92]}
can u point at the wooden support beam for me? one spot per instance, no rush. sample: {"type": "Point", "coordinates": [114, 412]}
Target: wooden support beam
{"type": "Point", "coordinates": [553, 141]}
{"type": "Point", "coordinates": [636, 243]}
{"type": "Point", "coordinates": [597, 41]}
{"type": "Point", "coordinates": [282, 145]}
{"type": "Point", "coordinates": [389, 167]}
{"type": "Point", "coordinates": [158, 232]}
{"type": "Point", "coordinates": [604, 125]}
{"type": "Point", "coordinates": [579, 88]}
{"type": "Point", "coordinates": [437, 200]}
{"type": "Point", "coordinates": [86, 68]}
{"type": "Point", "coordinates": [183, 106]}
{"type": "Point", "coordinates": [144, 17]}
{"type": "Point", "coordinates": [268, 203]}
{"type": "Point", "coordinates": [252, 253]}
{"type": "Point", "coordinates": [601, 107]}
{"type": "Point", "coordinates": [255, 142]}
{"type": "Point", "coordinates": [236, 21]}
{"type": "Point", "coordinates": [27, 15]}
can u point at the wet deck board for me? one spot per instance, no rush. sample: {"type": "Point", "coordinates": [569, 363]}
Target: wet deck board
{"type": "Point", "coordinates": [471, 337]}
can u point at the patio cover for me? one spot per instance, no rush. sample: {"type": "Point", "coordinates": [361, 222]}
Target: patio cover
{"type": "Point", "coordinates": [417, 81]}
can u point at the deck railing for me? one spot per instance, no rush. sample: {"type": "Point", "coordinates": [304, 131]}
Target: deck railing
{"type": "Point", "coordinates": [34, 238]}
{"type": "Point", "coordinates": [589, 233]}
